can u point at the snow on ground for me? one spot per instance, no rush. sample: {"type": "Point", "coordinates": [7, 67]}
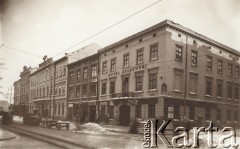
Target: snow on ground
{"type": "Point", "coordinates": [17, 119]}
{"type": "Point", "coordinates": [203, 139]}
{"type": "Point", "coordinates": [92, 128]}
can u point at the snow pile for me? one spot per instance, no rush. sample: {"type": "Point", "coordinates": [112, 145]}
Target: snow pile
{"type": "Point", "coordinates": [17, 119]}
{"type": "Point", "coordinates": [92, 128]}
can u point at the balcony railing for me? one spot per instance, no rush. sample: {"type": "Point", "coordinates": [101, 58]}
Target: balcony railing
{"type": "Point", "coordinates": [122, 95]}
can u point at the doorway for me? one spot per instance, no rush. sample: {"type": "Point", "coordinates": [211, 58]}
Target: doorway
{"type": "Point", "coordinates": [124, 116]}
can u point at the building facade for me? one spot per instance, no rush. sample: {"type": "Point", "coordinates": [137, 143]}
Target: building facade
{"type": "Point", "coordinates": [16, 98]}
{"type": "Point", "coordinates": [60, 91]}
{"type": "Point", "coordinates": [24, 90]}
{"type": "Point", "coordinates": [42, 88]}
{"type": "Point", "coordinates": [83, 89]}
{"type": "Point", "coordinates": [169, 72]}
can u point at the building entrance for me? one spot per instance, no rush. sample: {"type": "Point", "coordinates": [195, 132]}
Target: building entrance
{"type": "Point", "coordinates": [124, 116]}
{"type": "Point", "coordinates": [92, 113]}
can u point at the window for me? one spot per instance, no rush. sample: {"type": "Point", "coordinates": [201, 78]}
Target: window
{"type": "Point", "coordinates": [230, 69]}
{"type": "Point", "coordinates": [153, 52]}
{"type": "Point", "coordinates": [59, 90]}
{"type": "Point", "coordinates": [84, 91]}
{"type": "Point", "coordinates": [56, 91]}
{"type": "Point", "coordinates": [59, 108]}
{"type": "Point", "coordinates": [193, 83]}
{"type": "Point", "coordinates": [178, 80]}
{"type": "Point", "coordinates": [126, 60]}
{"type": "Point", "coordinates": [229, 91]}
{"type": "Point", "coordinates": [179, 53]}
{"type": "Point", "coordinates": [139, 83]}
{"type": "Point", "coordinates": [85, 73]}
{"type": "Point", "coordinates": [209, 86]}
{"type": "Point", "coordinates": [60, 72]}
{"type": "Point", "coordinates": [219, 88]}
{"type": "Point", "coordinates": [209, 62]}
{"type": "Point", "coordinates": [112, 87]}
{"type": "Point", "coordinates": [220, 66]}
{"type": "Point", "coordinates": [229, 113]}
{"type": "Point", "coordinates": [152, 81]}
{"type": "Point", "coordinates": [63, 90]}
{"type": "Point", "coordinates": [78, 91]}
{"type": "Point", "coordinates": [47, 90]}
{"type": "Point", "coordinates": [194, 57]}
{"type": "Point", "coordinates": [64, 70]}
{"type": "Point", "coordinates": [218, 116]}
{"type": "Point", "coordinates": [236, 95]}
{"type": "Point", "coordinates": [104, 67]}
{"type": "Point", "coordinates": [236, 116]}
{"type": "Point", "coordinates": [72, 76]}
{"type": "Point", "coordinates": [164, 88]}
{"type": "Point", "coordinates": [78, 74]}
{"type": "Point", "coordinates": [62, 108]}
{"type": "Point", "coordinates": [176, 112]}
{"type": "Point", "coordinates": [151, 110]}
{"type": "Point", "coordinates": [237, 72]}
{"type": "Point", "coordinates": [104, 88]}
{"type": "Point", "coordinates": [94, 71]}
{"type": "Point", "coordinates": [113, 64]}
{"type": "Point", "coordinates": [71, 94]}
{"type": "Point", "coordinates": [139, 56]}
{"type": "Point", "coordinates": [93, 90]}
{"type": "Point", "coordinates": [207, 114]}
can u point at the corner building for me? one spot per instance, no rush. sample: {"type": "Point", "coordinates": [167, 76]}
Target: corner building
{"type": "Point", "coordinates": [169, 72]}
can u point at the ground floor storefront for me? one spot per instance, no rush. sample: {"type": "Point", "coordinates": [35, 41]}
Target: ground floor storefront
{"type": "Point", "coordinates": [82, 111]}
{"type": "Point", "coordinates": [40, 108]}
{"type": "Point", "coordinates": [125, 111]}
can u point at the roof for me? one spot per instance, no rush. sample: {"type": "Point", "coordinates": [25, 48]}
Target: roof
{"type": "Point", "coordinates": [176, 26]}
{"type": "Point", "coordinates": [84, 59]}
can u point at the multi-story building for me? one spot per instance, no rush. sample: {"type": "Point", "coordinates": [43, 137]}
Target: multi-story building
{"type": "Point", "coordinates": [16, 98]}
{"type": "Point", "coordinates": [171, 72]}
{"type": "Point", "coordinates": [61, 79]}
{"type": "Point", "coordinates": [83, 89]}
{"type": "Point", "coordinates": [60, 92]}
{"type": "Point", "coordinates": [41, 89]}
{"type": "Point", "coordinates": [24, 90]}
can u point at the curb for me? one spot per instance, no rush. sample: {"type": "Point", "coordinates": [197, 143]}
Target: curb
{"type": "Point", "coordinates": [35, 134]}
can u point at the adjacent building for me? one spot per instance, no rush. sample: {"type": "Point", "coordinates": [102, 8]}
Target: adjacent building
{"type": "Point", "coordinates": [41, 89]}
{"type": "Point", "coordinates": [24, 90]}
{"type": "Point", "coordinates": [16, 99]}
{"type": "Point", "coordinates": [83, 89]}
{"type": "Point", "coordinates": [169, 72]}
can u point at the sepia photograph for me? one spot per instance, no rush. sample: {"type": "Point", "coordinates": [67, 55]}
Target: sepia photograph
{"type": "Point", "coordinates": [117, 74]}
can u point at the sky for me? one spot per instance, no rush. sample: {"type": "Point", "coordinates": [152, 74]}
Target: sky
{"type": "Point", "coordinates": [34, 28]}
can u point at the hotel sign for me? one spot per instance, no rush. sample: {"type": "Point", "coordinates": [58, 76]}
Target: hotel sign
{"type": "Point", "coordinates": [128, 70]}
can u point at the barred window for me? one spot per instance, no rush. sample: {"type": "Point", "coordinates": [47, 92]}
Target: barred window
{"type": "Point", "coordinates": [139, 56]}
{"type": "Point", "coordinates": [126, 60]}
{"type": "Point", "coordinates": [152, 81]}
{"type": "Point", "coordinates": [209, 62]}
{"type": "Point", "coordinates": [94, 71]}
{"type": "Point", "coordinates": [194, 57]}
{"type": "Point", "coordinates": [139, 83]}
{"type": "Point", "coordinates": [153, 52]}
{"type": "Point", "coordinates": [220, 66]}
{"type": "Point", "coordinates": [104, 67]}
{"type": "Point", "coordinates": [113, 64]}
{"type": "Point", "coordinates": [179, 53]}
{"type": "Point", "coordinates": [230, 69]}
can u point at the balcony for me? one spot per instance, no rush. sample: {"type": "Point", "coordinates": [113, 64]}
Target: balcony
{"type": "Point", "coordinates": [122, 95]}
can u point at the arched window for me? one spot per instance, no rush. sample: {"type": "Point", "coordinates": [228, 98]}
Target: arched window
{"type": "Point", "coordinates": [164, 88]}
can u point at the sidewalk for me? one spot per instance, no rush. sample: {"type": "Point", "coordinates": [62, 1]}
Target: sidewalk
{"type": "Point", "coordinates": [6, 135]}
